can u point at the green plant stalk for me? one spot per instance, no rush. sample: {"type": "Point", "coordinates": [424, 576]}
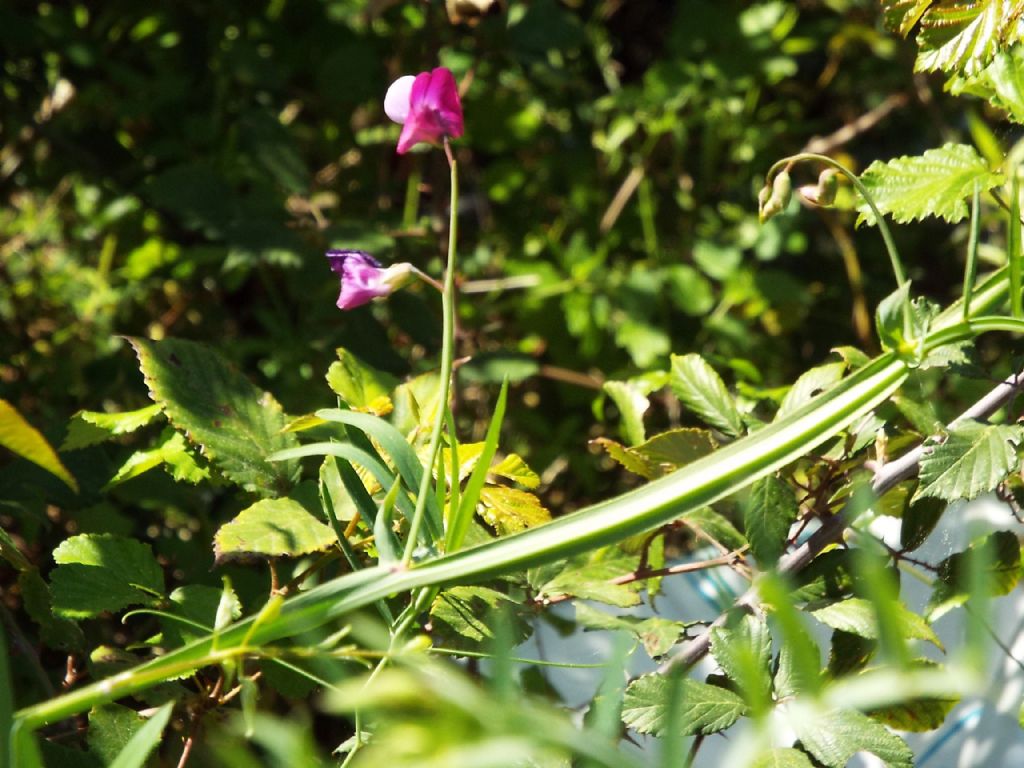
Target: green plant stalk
{"type": "Point", "coordinates": [447, 360]}
{"type": "Point", "coordinates": [890, 245]}
{"type": "Point", "coordinates": [1015, 256]}
{"type": "Point", "coordinates": [729, 469]}
{"type": "Point", "coordinates": [971, 268]}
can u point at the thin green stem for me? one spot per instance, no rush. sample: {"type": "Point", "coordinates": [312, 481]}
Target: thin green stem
{"type": "Point", "coordinates": [890, 244]}
{"type": "Point", "coordinates": [971, 268]}
{"type": "Point", "coordinates": [447, 358]}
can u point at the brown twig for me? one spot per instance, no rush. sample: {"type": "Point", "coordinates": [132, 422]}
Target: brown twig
{"type": "Point", "coordinates": [822, 145]}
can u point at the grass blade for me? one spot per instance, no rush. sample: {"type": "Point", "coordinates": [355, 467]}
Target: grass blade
{"type": "Point", "coordinates": [144, 741]}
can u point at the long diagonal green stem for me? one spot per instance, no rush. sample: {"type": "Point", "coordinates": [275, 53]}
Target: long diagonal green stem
{"type": "Point", "coordinates": [707, 480]}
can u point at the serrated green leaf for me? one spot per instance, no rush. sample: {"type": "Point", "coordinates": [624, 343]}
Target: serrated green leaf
{"type": "Point", "coordinates": [103, 572]}
{"type": "Point", "coordinates": [462, 617]}
{"type": "Point", "coordinates": [833, 737]}
{"type": "Point", "coordinates": [702, 390]}
{"type": "Point", "coordinates": [963, 36]}
{"type": "Point", "coordinates": [628, 458]}
{"type": "Point", "coordinates": [919, 521]}
{"type": "Point", "coordinates": [811, 383]}
{"type": "Point", "coordinates": [973, 459]}
{"type": "Point", "coordinates": [782, 758]}
{"type": "Point", "coordinates": [589, 577]}
{"type": "Point", "coordinates": [656, 634]}
{"type": "Point", "coordinates": [510, 510]}
{"type": "Point", "coordinates": [857, 616]}
{"type": "Point", "coordinates": [901, 15]}
{"type": "Point", "coordinates": [770, 513]}
{"type": "Point", "coordinates": [90, 427]}
{"type": "Point", "coordinates": [717, 526]}
{"type": "Point", "coordinates": [17, 435]}
{"type": "Point", "coordinates": [272, 528]}
{"type": "Point", "coordinates": [917, 715]}
{"type": "Point", "coordinates": [922, 416]}
{"type": "Point", "coordinates": [676, 448]}
{"type": "Point", "coordinates": [744, 652]}
{"type": "Point", "coordinates": [360, 386]}
{"type": "Point", "coordinates": [703, 708]}
{"type": "Point", "coordinates": [1000, 553]}
{"type": "Point", "coordinates": [135, 753]}
{"type": "Point", "coordinates": [632, 403]}
{"type": "Point", "coordinates": [54, 631]}
{"type": "Point", "coordinates": [235, 425]}
{"type": "Point", "coordinates": [936, 183]}
{"type": "Point", "coordinates": [1001, 82]}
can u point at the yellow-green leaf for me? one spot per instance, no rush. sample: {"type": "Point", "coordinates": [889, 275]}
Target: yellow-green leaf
{"type": "Point", "coordinates": [22, 438]}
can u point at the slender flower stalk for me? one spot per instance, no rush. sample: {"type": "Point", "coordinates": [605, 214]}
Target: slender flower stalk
{"type": "Point", "coordinates": [448, 301]}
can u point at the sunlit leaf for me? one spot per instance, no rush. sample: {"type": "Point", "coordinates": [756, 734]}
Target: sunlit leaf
{"type": "Point", "coordinates": [272, 528]}
{"type": "Point", "coordinates": [22, 438]}
{"type": "Point", "coordinates": [361, 387]}
{"type": "Point", "coordinates": [702, 390]}
{"type": "Point", "coordinates": [973, 459]}
{"type": "Point", "coordinates": [703, 708]}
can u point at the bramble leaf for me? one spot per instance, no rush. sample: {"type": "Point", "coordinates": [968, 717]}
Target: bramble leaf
{"type": "Point", "coordinates": [360, 386]}
{"type": "Point", "coordinates": [974, 459]}
{"type": "Point", "coordinates": [857, 616]}
{"type": "Point", "coordinates": [272, 528]}
{"type": "Point", "coordinates": [656, 634]}
{"type": "Point", "coordinates": [509, 510]}
{"type": "Point", "coordinates": [702, 390]}
{"type": "Point", "coordinates": [771, 511]}
{"type": "Point", "coordinates": [1001, 570]}
{"type": "Point", "coordinates": [835, 736]}
{"type": "Point", "coordinates": [91, 427]}
{"type": "Point", "coordinates": [703, 708]}
{"type": "Point", "coordinates": [783, 757]}
{"type": "Point", "coordinates": [235, 425]}
{"type": "Point", "coordinates": [103, 572]}
{"type": "Point", "coordinates": [462, 617]}
{"type": "Point", "coordinates": [936, 183]}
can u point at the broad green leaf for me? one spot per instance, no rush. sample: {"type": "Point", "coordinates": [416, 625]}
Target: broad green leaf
{"type": "Point", "coordinates": [102, 572]}
{"type": "Point", "coordinates": [9, 551]}
{"type": "Point", "coordinates": [889, 318]}
{"type": "Point", "coordinates": [919, 520]}
{"type": "Point", "coordinates": [1001, 82]}
{"type": "Point", "coordinates": [144, 740]}
{"type": "Point", "coordinates": [656, 634]}
{"type": "Point", "coordinates": [510, 510]}
{"type": "Point", "coordinates": [917, 715]}
{"type": "Point", "coordinates": [973, 459]}
{"type": "Point", "coordinates": [54, 631]}
{"type": "Point", "coordinates": [416, 404]}
{"type": "Point", "coordinates": [770, 512]}
{"type": "Point", "coordinates": [464, 617]}
{"type": "Point", "coordinates": [1000, 553]}
{"type": "Point", "coordinates": [902, 15]}
{"type": "Point", "coordinates": [22, 438]}
{"type": "Point", "coordinates": [716, 526]}
{"type": "Point", "coordinates": [90, 427]}
{"type": "Point", "coordinates": [173, 453]}
{"type": "Point", "coordinates": [360, 386]}
{"type": "Point", "coordinates": [848, 653]}
{"type": "Point", "coordinates": [744, 652]}
{"type": "Point", "coordinates": [810, 384]}
{"type": "Point", "coordinates": [703, 708]}
{"type": "Point", "coordinates": [272, 528]}
{"type": "Point", "coordinates": [662, 453]}
{"type": "Point", "coordinates": [857, 616]}
{"type": "Point", "coordinates": [962, 36]}
{"type": "Point", "coordinates": [833, 737]}
{"type": "Point", "coordinates": [936, 183]}
{"type": "Point", "coordinates": [701, 389]}
{"type": "Point", "coordinates": [632, 403]}
{"type": "Point", "coordinates": [111, 727]}
{"type": "Point", "coordinates": [922, 416]}
{"type": "Point", "coordinates": [783, 757]}
{"type": "Point", "coordinates": [589, 577]}
{"type": "Point", "coordinates": [235, 424]}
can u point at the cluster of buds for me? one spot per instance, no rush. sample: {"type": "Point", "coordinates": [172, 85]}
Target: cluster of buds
{"type": "Point", "coordinates": [774, 198]}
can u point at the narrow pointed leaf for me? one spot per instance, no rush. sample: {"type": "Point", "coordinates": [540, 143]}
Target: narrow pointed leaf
{"type": "Point", "coordinates": [17, 435]}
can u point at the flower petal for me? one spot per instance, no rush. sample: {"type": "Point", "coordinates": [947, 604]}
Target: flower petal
{"type": "Point", "coordinates": [396, 100]}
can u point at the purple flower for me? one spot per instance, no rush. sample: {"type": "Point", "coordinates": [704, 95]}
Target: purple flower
{"type": "Point", "coordinates": [364, 279]}
{"type": "Point", "coordinates": [427, 107]}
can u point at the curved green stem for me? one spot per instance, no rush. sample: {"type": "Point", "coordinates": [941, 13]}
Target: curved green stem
{"type": "Point", "coordinates": [447, 359]}
{"type": "Point", "coordinates": [883, 227]}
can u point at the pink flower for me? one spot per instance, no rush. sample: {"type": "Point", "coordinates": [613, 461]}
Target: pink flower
{"type": "Point", "coordinates": [427, 107]}
{"type": "Point", "coordinates": [364, 279]}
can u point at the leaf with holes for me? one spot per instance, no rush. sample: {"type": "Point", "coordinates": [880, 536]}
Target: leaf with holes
{"type": "Point", "coordinates": [235, 424]}
{"type": "Point", "coordinates": [973, 459]}
{"type": "Point", "coordinates": [936, 183]}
